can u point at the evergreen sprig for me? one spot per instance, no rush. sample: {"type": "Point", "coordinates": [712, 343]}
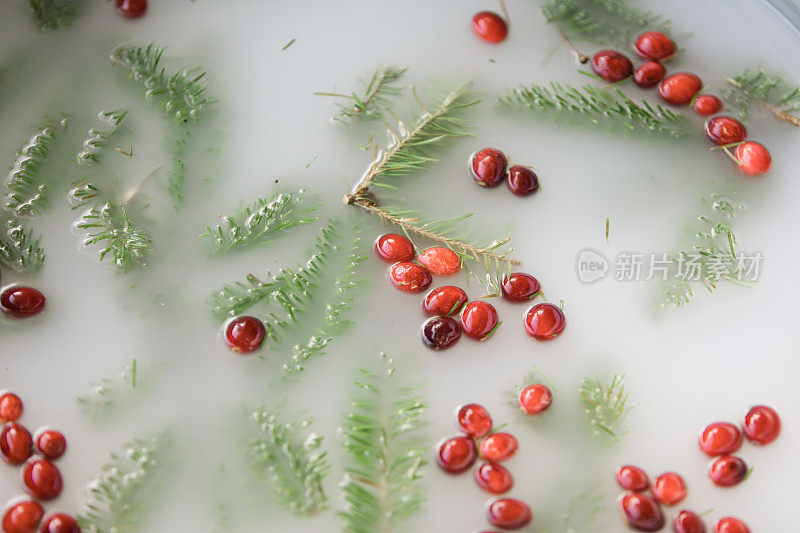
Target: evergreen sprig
{"type": "Point", "coordinates": [765, 89]}
{"type": "Point", "coordinates": [176, 185]}
{"type": "Point", "coordinates": [20, 248]}
{"type": "Point", "coordinates": [381, 486]}
{"type": "Point", "coordinates": [98, 139]}
{"type": "Point", "coordinates": [605, 404]}
{"type": "Point", "coordinates": [52, 15]}
{"type": "Point", "coordinates": [97, 402]}
{"type": "Point", "coordinates": [376, 97]}
{"type": "Point", "coordinates": [292, 460]}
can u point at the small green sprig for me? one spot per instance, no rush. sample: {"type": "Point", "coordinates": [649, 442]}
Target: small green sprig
{"type": "Point", "coordinates": [605, 405]}
{"type": "Point", "coordinates": [766, 90]}
{"type": "Point", "coordinates": [50, 15]}
{"type": "Point", "coordinates": [376, 97]}
{"type": "Point", "coordinates": [176, 185]}
{"type": "Point", "coordinates": [20, 248]}
{"type": "Point", "coordinates": [103, 395]}
{"type": "Point", "coordinates": [97, 139]}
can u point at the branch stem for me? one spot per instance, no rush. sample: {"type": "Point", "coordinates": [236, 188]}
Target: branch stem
{"type": "Point", "coordinates": [779, 113]}
{"type": "Point", "coordinates": [580, 57]}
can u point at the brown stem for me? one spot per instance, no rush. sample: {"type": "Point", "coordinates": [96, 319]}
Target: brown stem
{"type": "Point", "coordinates": [779, 113]}
{"type": "Point", "coordinates": [579, 56]}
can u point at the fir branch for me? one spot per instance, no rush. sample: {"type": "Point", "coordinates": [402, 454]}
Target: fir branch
{"type": "Point", "coordinates": [50, 15]}
{"type": "Point", "coordinates": [98, 139]}
{"type": "Point", "coordinates": [605, 405]}
{"type": "Point", "coordinates": [766, 90]}
{"type": "Point", "coordinates": [291, 458]}
{"type": "Point", "coordinates": [108, 391]}
{"type": "Point", "coordinates": [381, 485]}
{"type": "Point", "coordinates": [177, 179]}
{"type": "Point", "coordinates": [584, 508]}
{"type": "Point", "coordinates": [376, 96]}
{"type": "Point", "coordinates": [20, 248]}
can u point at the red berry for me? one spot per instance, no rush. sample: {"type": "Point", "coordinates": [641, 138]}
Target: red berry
{"type": "Point", "coordinates": [762, 425]}
{"type": "Point", "coordinates": [132, 9]}
{"type": "Point", "coordinates": [440, 261]}
{"type": "Point", "coordinates": [522, 181]}
{"type": "Point", "coordinates": [509, 513]}
{"type": "Point", "coordinates": [440, 332]}
{"type": "Point", "coordinates": [51, 444]}
{"type": "Point", "coordinates": [488, 167]}
{"type": "Point", "coordinates": [474, 420]}
{"type": "Point", "coordinates": [535, 398]}
{"type": "Point", "coordinates": [731, 525]}
{"type": "Point", "coordinates": [632, 478]}
{"type": "Point", "coordinates": [641, 511]}
{"type": "Point", "coordinates": [669, 488]}
{"type": "Point", "coordinates": [456, 454]}
{"type": "Point", "coordinates": [10, 407]}
{"type": "Point", "coordinates": [444, 301]}
{"type": "Point", "coordinates": [611, 65]}
{"type": "Point", "coordinates": [519, 287]}
{"type": "Point", "coordinates": [707, 104]}
{"type": "Point", "coordinates": [16, 443]}
{"type": "Point", "coordinates": [21, 302]}
{"type": "Point", "coordinates": [727, 471]}
{"type": "Point", "coordinates": [498, 447]}
{"type": "Point", "coordinates": [489, 26]}
{"type": "Point", "coordinates": [494, 478]}
{"type": "Point", "coordinates": [648, 74]}
{"type": "Point", "coordinates": [545, 321]}
{"type": "Point", "coordinates": [60, 523]}
{"type": "Point", "coordinates": [245, 334]}
{"type": "Point", "coordinates": [725, 130]}
{"type": "Point", "coordinates": [679, 89]}
{"type": "Point", "coordinates": [479, 320]}
{"type": "Point", "coordinates": [688, 522]}
{"type": "Point", "coordinates": [654, 45]}
{"type": "Point", "coordinates": [409, 277]}
{"type": "Point", "coordinates": [41, 479]}
{"type": "Point", "coordinates": [720, 438]}
{"type": "Point", "coordinates": [393, 248]}
{"type": "Point", "coordinates": [753, 158]}
{"type": "Point", "coordinates": [23, 517]}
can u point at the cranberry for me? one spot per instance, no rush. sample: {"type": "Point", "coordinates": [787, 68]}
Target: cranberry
{"type": "Point", "coordinates": [60, 523]}
{"type": "Point", "coordinates": [21, 301]}
{"type": "Point", "coordinates": [440, 332]}
{"type": "Point", "coordinates": [456, 454]}
{"type": "Point", "coordinates": [474, 420]}
{"type": "Point", "coordinates": [10, 407]}
{"type": "Point", "coordinates": [409, 277]}
{"type": "Point", "coordinates": [669, 488]}
{"type": "Point", "coordinates": [731, 525]}
{"type": "Point", "coordinates": [707, 104]}
{"type": "Point", "coordinates": [444, 301]}
{"type": "Point", "coordinates": [522, 181]}
{"type": "Point", "coordinates": [545, 321]}
{"type": "Point", "coordinates": [488, 167]}
{"type": "Point", "coordinates": [762, 425]}
{"type": "Point", "coordinates": [440, 261]}
{"type": "Point", "coordinates": [688, 522]}
{"type": "Point", "coordinates": [498, 447]}
{"type": "Point", "coordinates": [679, 89]}
{"type": "Point", "coordinates": [244, 334]}
{"type": "Point", "coordinates": [632, 478]}
{"type": "Point", "coordinates": [23, 517]}
{"type": "Point", "coordinates": [132, 9]}
{"type": "Point", "coordinates": [519, 287]}
{"type": "Point", "coordinates": [611, 65]}
{"type": "Point", "coordinates": [727, 471]}
{"type": "Point", "coordinates": [479, 320]}
{"type": "Point", "coordinates": [725, 130]}
{"type": "Point", "coordinates": [41, 479]}
{"type": "Point", "coordinates": [720, 438]}
{"type": "Point", "coordinates": [494, 478]}
{"type": "Point", "coordinates": [642, 512]}
{"type": "Point", "coordinates": [648, 74]}
{"type": "Point", "coordinates": [535, 398]}
{"type": "Point", "coordinates": [16, 443]}
{"type": "Point", "coordinates": [654, 45]}
{"type": "Point", "coordinates": [753, 158]}
{"type": "Point", "coordinates": [393, 248]}
{"type": "Point", "coordinates": [509, 513]}
{"type": "Point", "coordinates": [489, 26]}
{"type": "Point", "coordinates": [51, 444]}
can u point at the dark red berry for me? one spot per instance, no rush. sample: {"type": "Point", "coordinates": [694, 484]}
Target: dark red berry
{"type": "Point", "coordinates": [444, 301]}
{"type": "Point", "coordinates": [23, 517]}
{"type": "Point", "coordinates": [16, 443]}
{"type": "Point", "coordinates": [245, 334]}
{"type": "Point", "coordinates": [456, 455]}
{"type": "Point", "coordinates": [519, 287]}
{"type": "Point", "coordinates": [535, 398]}
{"type": "Point", "coordinates": [393, 248]}
{"type": "Point", "coordinates": [731, 525]}
{"type": "Point", "coordinates": [669, 488]}
{"type": "Point", "coordinates": [440, 261]}
{"type": "Point", "coordinates": [498, 447]}
{"type": "Point", "coordinates": [440, 332]}
{"type": "Point", "coordinates": [762, 425]}
{"type": "Point", "coordinates": [42, 479]}
{"type": "Point", "coordinates": [522, 181]}
{"type": "Point", "coordinates": [479, 320]}
{"type": "Point", "coordinates": [648, 74]}
{"type": "Point", "coordinates": [680, 88]}
{"type": "Point", "coordinates": [641, 511]}
{"type": "Point", "coordinates": [489, 26]}
{"type": "Point", "coordinates": [474, 420]}
{"type": "Point", "coordinates": [60, 523]}
{"type": "Point", "coordinates": [753, 158]}
{"type": "Point", "coordinates": [132, 9]}
{"type": "Point", "coordinates": [409, 277]}
{"type": "Point", "coordinates": [632, 478]}
{"type": "Point", "coordinates": [509, 513]}
{"type": "Point", "coordinates": [688, 522]}
{"type": "Point", "coordinates": [611, 65]}
{"type": "Point", "coordinates": [725, 130]}
{"type": "Point", "coordinates": [10, 407]}
{"type": "Point", "coordinates": [654, 45]}
{"type": "Point", "coordinates": [727, 471]}
{"type": "Point", "coordinates": [494, 478]}
{"type": "Point", "coordinates": [545, 321]}
{"type": "Point", "coordinates": [51, 444]}
{"type": "Point", "coordinates": [720, 438]}
{"type": "Point", "coordinates": [707, 104]}
{"type": "Point", "coordinates": [21, 302]}
{"type": "Point", "coordinates": [488, 167]}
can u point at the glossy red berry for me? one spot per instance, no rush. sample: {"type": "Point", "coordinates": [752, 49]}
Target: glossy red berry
{"type": "Point", "coordinates": [440, 261]}
{"type": "Point", "coordinates": [535, 398]}
{"type": "Point", "coordinates": [132, 9]}
{"type": "Point", "coordinates": [42, 479]}
{"type": "Point", "coordinates": [393, 248]}
{"type": "Point", "coordinates": [680, 88]}
{"type": "Point", "coordinates": [509, 513]}
{"type": "Point", "coordinates": [762, 425]}
{"type": "Point", "coordinates": [632, 478]}
{"type": "Point", "coordinates": [494, 478]}
{"type": "Point", "coordinates": [725, 130]}
{"type": "Point", "coordinates": [727, 471]}
{"type": "Point", "coordinates": [244, 334]}
{"type": "Point", "coordinates": [720, 438]}
{"type": "Point", "coordinates": [648, 74]}
{"type": "Point", "coordinates": [16, 443]}
{"type": "Point", "coordinates": [522, 181]}
{"type": "Point", "coordinates": [669, 488]}
{"type": "Point", "coordinates": [654, 45]}
{"type": "Point", "coordinates": [519, 287]}
{"type": "Point", "coordinates": [23, 517]}
{"type": "Point", "coordinates": [474, 420]}
{"type": "Point", "coordinates": [642, 512]}
{"type": "Point", "coordinates": [444, 301]}
{"type": "Point", "coordinates": [410, 277]}
{"type": "Point", "coordinates": [498, 447]}
{"type": "Point", "coordinates": [51, 444]}
{"type": "Point", "coordinates": [60, 523]}
{"type": "Point", "coordinates": [456, 454]}
{"type": "Point", "coordinates": [489, 26]}
{"type": "Point", "coordinates": [479, 320]}
{"type": "Point", "coordinates": [707, 104]}
{"type": "Point", "coordinates": [21, 302]}
{"type": "Point", "coordinates": [753, 158]}
{"type": "Point", "coordinates": [688, 522]}
{"type": "Point", "coordinates": [611, 65]}
{"type": "Point", "coordinates": [488, 167]}
{"type": "Point", "coordinates": [545, 321]}
{"type": "Point", "coordinates": [10, 407]}
{"type": "Point", "coordinates": [440, 332]}
{"type": "Point", "coordinates": [731, 525]}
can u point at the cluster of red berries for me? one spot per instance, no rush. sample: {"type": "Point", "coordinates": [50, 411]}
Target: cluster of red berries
{"type": "Point", "coordinates": [40, 478]}
{"type": "Point", "coordinates": [489, 167]}
{"type": "Point", "coordinates": [490, 27]}
{"type": "Point", "coordinates": [681, 89]}
{"type": "Point", "coordinates": [132, 9]}
{"type": "Point", "coordinates": [20, 302]}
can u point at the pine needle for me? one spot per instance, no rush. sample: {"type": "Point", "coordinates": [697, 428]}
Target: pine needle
{"type": "Point", "coordinates": [605, 405]}
{"type": "Point", "coordinates": [20, 248]}
{"type": "Point", "coordinates": [375, 98]}
{"type": "Point", "coordinates": [50, 15]}
{"type": "Point", "coordinates": [98, 139]}
{"type": "Point", "coordinates": [766, 90]}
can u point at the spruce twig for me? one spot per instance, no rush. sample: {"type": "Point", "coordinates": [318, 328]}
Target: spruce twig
{"type": "Point", "coordinates": [98, 139]}
{"type": "Point", "coordinates": [20, 248]}
{"type": "Point", "coordinates": [50, 15]}
{"type": "Point", "coordinates": [103, 395]}
{"type": "Point", "coordinates": [375, 98]}
{"type": "Point", "coordinates": [605, 405]}
{"type": "Point", "coordinates": [766, 90]}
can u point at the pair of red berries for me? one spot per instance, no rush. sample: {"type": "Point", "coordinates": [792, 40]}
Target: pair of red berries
{"type": "Point", "coordinates": [490, 27]}
{"type": "Point", "coordinates": [488, 168]}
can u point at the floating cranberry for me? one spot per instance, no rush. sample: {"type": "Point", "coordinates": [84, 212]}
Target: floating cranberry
{"type": "Point", "coordinates": [132, 9]}
{"type": "Point", "coordinates": [51, 444]}
{"type": "Point", "coordinates": [488, 167]}
{"type": "Point", "coordinates": [440, 332]}
{"type": "Point", "coordinates": [409, 277]}
{"type": "Point", "coordinates": [707, 104]}
{"type": "Point", "coordinates": [10, 407]}
{"type": "Point", "coordinates": [440, 261]}
{"type": "Point", "coordinates": [456, 455]}
{"type": "Point", "coordinates": [727, 471]}
{"type": "Point", "coordinates": [669, 488]}
{"type": "Point", "coordinates": [641, 511]}
{"type": "Point", "coordinates": [60, 523]}
{"type": "Point", "coordinates": [16, 443]}
{"type": "Point", "coordinates": [753, 158]}
{"type": "Point", "coordinates": [632, 478]}
{"type": "Point", "coordinates": [679, 89]}
{"type": "Point", "coordinates": [494, 478]}
{"type": "Point", "coordinates": [720, 438]}
{"type": "Point", "coordinates": [21, 302]}
{"type": "Point", "coordinates": [519, 287]}
{"type": "Point", "coordinates": [545, 321]}
{"type": "Point", "coordinates": [522, 181]}
{"type": "Point", "coordinates": [725, 130]}
{"type": "Point", "coordinates": [762, 425]}
{"type": "Point", "coordinates": [498, 447]}
{"type": "Point", "coordinates": [648, 74]}
{"type": "Point", "coordinates": [654, 45]}
{"type": "Point", "coordinates": [611, 65]}
{"type": "Point", "coordinates": [41, 479]}
{"type": "Point", "coordinates": [23, 517]}
{"type": "Point", "coordinates": [444, 301]}
{"type": "Point", "coordinates": [393, 248]}
{"type": "Point", "coordinates": [244, 334]}
{"type": "Point", "coordinates": [474, 420]}
{"type": "Point", "coordinates": [688, 522]}
{"type": "Point", "coordinates": [731, 525]}
{"type": "Point", "coordinates": [509, 513]}
{"type": "Point", "coordinates": [489, 26]}
{"type": "Point", "coordinates": [479, 320]}
{"type": "Point", "coordinates": [535, 398]}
